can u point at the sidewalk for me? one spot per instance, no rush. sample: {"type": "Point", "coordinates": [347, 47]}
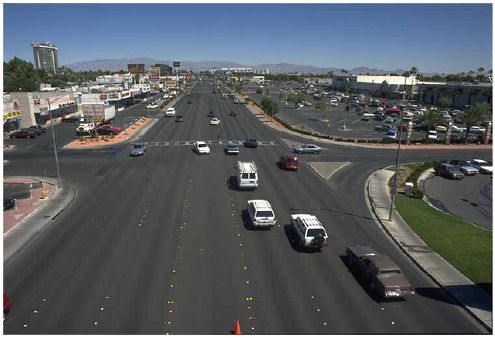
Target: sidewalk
{"type": "Point", "coordinates": [465, 292]}
{"type": "Point", "coordinates": [30, 215]}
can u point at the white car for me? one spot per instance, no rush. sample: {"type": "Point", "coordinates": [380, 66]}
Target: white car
{"type": "Point", "coordinates": [201, 147]}
{"type": "Point", "coordinates": [214, 121]}
{"type": "Point", "coordinates": [484, 167]}
{"type": "Point", "coordinates": [170, 111]}
{"type": "Point", "coordinates": [152, 106]}
{"type": "Point", "coordinates": [477, 129]}
{"type": "Point", "coordinates": [457, 129]}
{"type": "Point", "coordinates": [432, 135]}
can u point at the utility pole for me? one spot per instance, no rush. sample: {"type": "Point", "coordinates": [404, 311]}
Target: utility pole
{"type": "Point", "coordinates": [397, 158]}
{"type": "Point", "coordinates": [54, 143]}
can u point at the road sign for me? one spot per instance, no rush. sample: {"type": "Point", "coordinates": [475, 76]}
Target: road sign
{"type": "Point", "coordinates": [176, 63]}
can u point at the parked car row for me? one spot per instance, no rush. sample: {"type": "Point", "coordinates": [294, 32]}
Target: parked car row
{"type": "Point", "coordinates": [457, 169]}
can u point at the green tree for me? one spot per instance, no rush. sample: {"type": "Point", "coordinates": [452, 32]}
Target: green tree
{"type": "Point", "coordinates": [238, 88]}
{"type": "Point", "coordinates": [444, 102]}
{"type": "Point", "coordinates": [480, 112]}
{"type": "Point", "coordinates": [269, 106]}
{"type": "Point", "coordinates": [344, 71]}
{"type": "Point", "coordinates": [431, 119]}
{"type": "Point", "coordinates": [20, 75]}
{"type": "Point", "coordinates": [321, 105]}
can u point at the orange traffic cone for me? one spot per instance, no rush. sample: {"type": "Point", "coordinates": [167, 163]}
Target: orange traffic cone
{"type": "Point", "coordinates": [237, 328]}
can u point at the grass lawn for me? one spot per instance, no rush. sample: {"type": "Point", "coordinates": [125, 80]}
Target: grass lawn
{"type": "Point", "coordinates": [462, 244]}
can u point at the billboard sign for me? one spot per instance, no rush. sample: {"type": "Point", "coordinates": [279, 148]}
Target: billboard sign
{"type": "Point", "coordinates": [176, 63]}
{"type": "Point", "coordinates": [135, 68]}
{"type": "Point", "coordinates": [93, 111]}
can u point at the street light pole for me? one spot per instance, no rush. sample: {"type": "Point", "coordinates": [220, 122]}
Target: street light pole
{"type": "Point", "coordinates": [54, 143]}
{"type": "Point", "coordinates": [397, 158]}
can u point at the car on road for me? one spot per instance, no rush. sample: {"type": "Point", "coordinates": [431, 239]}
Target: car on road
{"type": "Point", "coordinates": [214, 121]}
{"type": "Point", "coordinates": [232, 113]}
{"type": "Point", "coordinates": [381, 275]}
{"type": "Point", "coordinates": [108, 130]}
{"type": "Point", "coordinates": [138, 149]}
{"type": "Point", "coordinates": [236, 101]}
{"type": "Point", "coordinates": [448, 171]}
{"type": "Point", "coordinates": [261, 214]}
{"type": "Point", "coordinates": [170, 111]}
{"type": "Point", "coordinates": [309, 231]}
{"type": "Point", "coordinates": [152, 106]}
{"type": "Point", "coordinates": [201, 147]}
{"type": "Point", "coordinates": [23, 133]}
{"type": "Point", "coordinates": [231, 148]}
{"type": "Point", "coordinates": [307, 149]}
{"type": "Point", "coordinates": [251, 143]}
{"type": "Point", "coordinates": [6, 305]}
{"type": "Point", "coordinates": [483, 166]}
{"type": "Point", "coordinates": [289, 162]}
{"type": "Point", "coordinates": [179, 118]}
{"type": "Point", "coordinates": [8, 203]}
{"type": "Point", "coordinates": [211, 113]}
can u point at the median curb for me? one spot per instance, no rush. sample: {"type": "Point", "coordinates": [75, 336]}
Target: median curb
{"type": "Point", "coordinates": [457, 286]}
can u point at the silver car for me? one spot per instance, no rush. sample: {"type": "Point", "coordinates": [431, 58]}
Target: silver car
{"type": "Point", "coordinates": [138, 149]}
{"type": "Point", "coordinates": [307, 148]}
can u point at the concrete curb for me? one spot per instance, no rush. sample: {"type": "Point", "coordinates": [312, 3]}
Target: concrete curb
{"type": "Point", "coordinates": [36, 221]}
{"type": "Point", "coordinates": [450, 289]}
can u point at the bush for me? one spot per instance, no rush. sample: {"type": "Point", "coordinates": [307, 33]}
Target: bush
{"type": "Point", "coordinates": [416, 193]}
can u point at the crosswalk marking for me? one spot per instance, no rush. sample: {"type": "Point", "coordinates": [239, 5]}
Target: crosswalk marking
{"type": "Point", "coordinates": [209, 142]}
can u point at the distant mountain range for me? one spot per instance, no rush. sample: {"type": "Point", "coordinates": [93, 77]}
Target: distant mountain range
{"type": "Point", "coordinates": [118, 64]}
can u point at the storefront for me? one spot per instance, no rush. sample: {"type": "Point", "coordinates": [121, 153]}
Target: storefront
{"type": "Point", "coordinates": [11, 121]}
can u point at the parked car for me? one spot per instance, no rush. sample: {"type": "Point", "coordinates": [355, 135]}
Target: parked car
{"type": "Point", "coordinates": [289, 162]}
{"type": "Point", "coordinates": [384, 127]}
{"type": "Point", "coordinates": [477, 129]}
{"type": "Point", "coordinates": [214, 121]}
{"type": "Point", "coordinates": [231, 148]}
{"type": "Point", "coordinates": [432, 135]}
{"type": "Point", "coordinates": [34, 130]}
{"type": "Point", "coordinates": [465, 167]}
{"type": "Point", "coordinates": [251, 143]}
{"type": "Point", "coordinates": [108, 130]}
{"type": "Point", "coordinates": [26, 133]}
{"type": "Point", "coordinates": [201, 147]}
{"type": "Point", "coordinates": [39, 128]}
{"type": "Point", "coordinates": [448, 171]}
{"type": "Point", "coordinates": [381, 275]}
{"type": "Point", "coordinates": [8, 203]}
{"type": "Point", "coordinates": [307, 148]}
{"type": "Point", "coordinates": [391, 134]}
{"type": "Point", "coordinates": [70, 119]}
{"type": "Point", "coordinates": [483, 166]}
{"type": "Point", "coordinates": [441, 129]}
{"type": "Point", "coordinates": [179, 118]}
{"type": "Point", "coordinates": [420, 127]}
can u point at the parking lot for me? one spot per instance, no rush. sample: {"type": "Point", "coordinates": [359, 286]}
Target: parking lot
{"type": "Point", "coordinates": [331, 121]}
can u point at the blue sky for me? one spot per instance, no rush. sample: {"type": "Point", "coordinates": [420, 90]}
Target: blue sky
{"type": "Point", "coordinates": [442, 37]}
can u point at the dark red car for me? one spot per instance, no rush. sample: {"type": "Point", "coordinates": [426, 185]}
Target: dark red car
{"type": "Point", "coordinates": [6, 304]}
{"type": "Point", "coordinates": [24, 133]}
{"type": "Point", "coordinates": [108, 130]}
{"type": "Point", "coordinates": [289, 162]}
{"type": "Point", "coordinates": [232, 113]}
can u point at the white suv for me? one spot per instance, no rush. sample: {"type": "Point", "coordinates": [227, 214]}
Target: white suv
{"type": "Point", "coordinates": [261, 213]}
{"type": "Point", "coordinates": [309, 230]}
{"type": "Point", "coordinates": [170, 111]}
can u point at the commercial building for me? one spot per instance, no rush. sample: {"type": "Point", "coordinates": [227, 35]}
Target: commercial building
{"type": "Point", "coordinates": [377, 85]}
{"type": "Point", "coordinates": [456, 94]}
{"type": "Point", "coordinates": [240, 70]}
{"type": "Point", "coordinates": [33, 107]}
{"type": "Point", "coordinates": [45, 56]}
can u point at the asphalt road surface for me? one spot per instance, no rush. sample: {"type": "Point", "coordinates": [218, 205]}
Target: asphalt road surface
{"type": "Point", "coordinates": [469, 198]}
{"type": "Point", "coordinates": [157, 244]}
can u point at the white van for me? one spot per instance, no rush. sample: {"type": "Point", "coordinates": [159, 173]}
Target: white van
{"type": "Point", "coordinates": [246, 175]}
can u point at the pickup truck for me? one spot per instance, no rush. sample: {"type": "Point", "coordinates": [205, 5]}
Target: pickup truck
{"type": "Point", "coordinates": [379, 272]}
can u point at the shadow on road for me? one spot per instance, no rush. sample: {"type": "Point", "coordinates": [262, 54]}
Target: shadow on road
{"type": "Point", "coordinates": [335, 211]}
{"type": "Point", "coordinates": [440, 294]}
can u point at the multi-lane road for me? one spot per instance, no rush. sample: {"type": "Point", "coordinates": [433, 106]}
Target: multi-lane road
{"type": "Point", "coordinates": [158, 244]}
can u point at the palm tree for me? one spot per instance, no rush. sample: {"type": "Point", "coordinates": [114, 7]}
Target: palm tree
{"type": "Point", "coordinates": [481, 70]}
{"type": "Point", "coordinates": [430, 119]}
{"type": "Point", "coordinates": [344, 71]}
{"type": "Point", "coordinates": [413, 71]}
{"type": "Point", "coordinates": [406, 75]}
{"type": "Point", "coordinates": [470, 73]}
{"type": "Point", "coordinates": [478, 113]}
